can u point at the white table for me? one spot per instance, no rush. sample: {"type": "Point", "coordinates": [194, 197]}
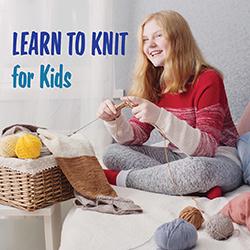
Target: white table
{"type": "Point", "coordinates": [52, 222]}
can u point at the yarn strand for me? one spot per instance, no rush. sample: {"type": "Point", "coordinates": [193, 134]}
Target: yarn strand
{"type": "Point", "coordinates": [118, 108]}
{"type": "Point", "coordinates": [141, 245]}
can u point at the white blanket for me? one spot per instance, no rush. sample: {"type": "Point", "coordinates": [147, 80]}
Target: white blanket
{"type": "Point", "coordinates": [86, 230]}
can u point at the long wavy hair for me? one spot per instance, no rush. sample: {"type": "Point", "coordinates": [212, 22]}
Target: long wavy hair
{"type": "Point", "coordinates": [183, 62]}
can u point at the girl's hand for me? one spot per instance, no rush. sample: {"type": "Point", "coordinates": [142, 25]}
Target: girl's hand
{"type": "Point", "coordinates": [144, 110]}
{"type": "Point", "coordinates": [107, 111]}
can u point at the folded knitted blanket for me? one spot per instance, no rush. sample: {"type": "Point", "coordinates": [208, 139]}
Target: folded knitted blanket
{"type": "Point", "coordinates": [106, 204]}
{"type": "Point", "coordinates": [18, 128]}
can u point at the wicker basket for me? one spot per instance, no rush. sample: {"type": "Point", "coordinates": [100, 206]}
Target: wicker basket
{"type": "Point", "coordinates": [33, 191]}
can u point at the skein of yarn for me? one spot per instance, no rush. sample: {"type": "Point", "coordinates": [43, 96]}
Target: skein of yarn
{"type": "Point", "coordinates": [238, 209]}
{"type": "Point", "coordinates": [176, 235]}
{"type": "Point", "coordinates": [219, 227]}
{"type": "Point", "coordinates": [28, 146]}
{"type": "Point", "coordinates": [192, 215]}
{"type": "Point", "coordinates": [7, 145]}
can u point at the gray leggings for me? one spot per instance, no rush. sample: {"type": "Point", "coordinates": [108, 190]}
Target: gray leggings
{"type": "Point", "coordinates": [151, 171]}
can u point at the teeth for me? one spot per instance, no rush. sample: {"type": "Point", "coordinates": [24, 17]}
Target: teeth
{"type": "Point", "coordinates": [155, 52]}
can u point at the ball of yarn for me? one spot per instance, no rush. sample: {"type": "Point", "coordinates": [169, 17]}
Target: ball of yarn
{"type": "Point", "coordinates": [219, 227]}
{"type": "Point", "coordinates": [238, 209]}
{"type": "Point", "coordinates": [192, 215]}
{"type": "Point", "coordinates": [8, 145]}
{"type": "Point", "coordinates": [28, 146]}
{"type": "Point", "coordinates": [176, 235]}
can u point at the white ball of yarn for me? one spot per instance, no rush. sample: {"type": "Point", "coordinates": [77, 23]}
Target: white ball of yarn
{"type": "Point", "coordinates": [219, 227]}
{"type": "Point", "coordinates": [7, 145]}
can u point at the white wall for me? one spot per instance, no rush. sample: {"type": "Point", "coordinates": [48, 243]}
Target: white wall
{"type": "Point", "coordinates": [220, 27]}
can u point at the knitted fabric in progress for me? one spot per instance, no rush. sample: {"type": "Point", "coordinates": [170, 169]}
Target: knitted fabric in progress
{"type": "Point", "coordinates": [86, 176]}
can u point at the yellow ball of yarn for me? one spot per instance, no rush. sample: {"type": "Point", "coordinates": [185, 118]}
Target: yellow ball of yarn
{"type": "Point", "coordinates": [8, 145]}
{"type": "Point", "coordinates": [28, 146]}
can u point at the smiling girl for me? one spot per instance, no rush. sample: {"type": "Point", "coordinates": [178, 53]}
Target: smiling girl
{"type": "Point", "coordinates": [178, 93]}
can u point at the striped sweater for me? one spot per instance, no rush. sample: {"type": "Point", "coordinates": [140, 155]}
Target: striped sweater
{"type": "Point", "coordinates": [197, 122]}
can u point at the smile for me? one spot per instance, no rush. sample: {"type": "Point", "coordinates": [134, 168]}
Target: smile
{"type": "Point", "coordinates": [155, 52]}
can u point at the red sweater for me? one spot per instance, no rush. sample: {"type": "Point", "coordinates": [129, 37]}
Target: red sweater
{"type": "Point", "coordinates": [203, 106]}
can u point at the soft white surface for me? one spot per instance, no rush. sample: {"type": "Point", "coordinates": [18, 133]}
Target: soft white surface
{"type": "Point", "coordinates": [29, 166]}
{"type": "Point", "coordinates": [96, 231]}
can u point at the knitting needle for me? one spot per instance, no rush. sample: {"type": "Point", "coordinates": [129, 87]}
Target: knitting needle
{"type": "Point", "coordinates": [118, 107]}
{"type": "Point", "coordinates": [86, 125]}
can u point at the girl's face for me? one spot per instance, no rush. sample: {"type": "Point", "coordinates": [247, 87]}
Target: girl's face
{"type": "Point", "coordinates": [155, 45]}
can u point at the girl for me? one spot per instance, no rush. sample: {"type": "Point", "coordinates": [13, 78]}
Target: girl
{"type": "Point", "coordinates": [177, 92]}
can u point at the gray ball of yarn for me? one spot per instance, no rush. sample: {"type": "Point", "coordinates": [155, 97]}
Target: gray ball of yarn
{"type": "Point", "coordinates": [176, 235]}
{"type": "Point", "coordinates": [219, 227]}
